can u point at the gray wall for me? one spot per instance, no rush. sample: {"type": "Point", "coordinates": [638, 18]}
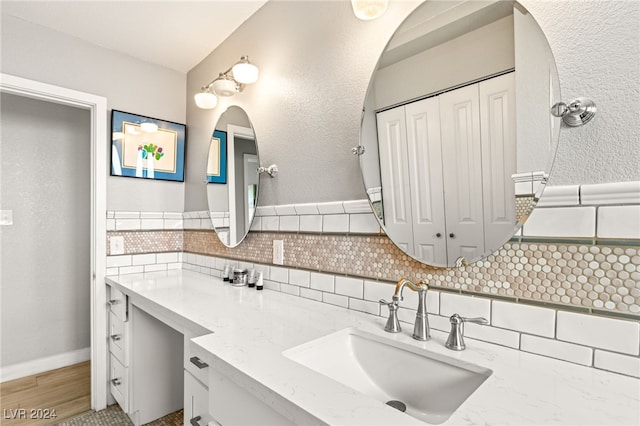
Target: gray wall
{"type": "Point", "coordinates": [315, 62]}
{"type": "Point", "coordinates": [37, 53]}
{"type": "Point", "coordinates": [45, 181]}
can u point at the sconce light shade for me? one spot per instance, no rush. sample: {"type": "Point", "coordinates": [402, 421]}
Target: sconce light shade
{"type": "Point", "coordinates": [206, 100]}
{"type": "Point", "coordinates": [369, 9]}
{"type": "Point", "coordinates": [224, 87]}
{"type": "Point", "coordinates": [245, 72]}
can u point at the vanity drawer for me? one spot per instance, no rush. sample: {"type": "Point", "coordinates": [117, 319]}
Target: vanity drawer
{"type": "Point", "coordinates": [119, 383]}
{"type": "Point", "coordinates": [118, 339]}
{"type": "Point", "coordinates": [195, 362]}
{"type": "Point", "coordinates": [118, 303]}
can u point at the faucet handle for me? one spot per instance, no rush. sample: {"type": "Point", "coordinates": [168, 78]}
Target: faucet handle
{"type": "Point", "coordinates": [455, 341]}
{"type": "Point", "coordinates": [393, 324]}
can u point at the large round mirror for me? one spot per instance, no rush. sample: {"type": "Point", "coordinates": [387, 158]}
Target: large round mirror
{"type": "Point", "coordinates": [232, 176]}
{"type": "Point", "coordinates": [457, 135]}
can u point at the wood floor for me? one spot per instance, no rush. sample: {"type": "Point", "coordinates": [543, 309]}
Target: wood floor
{"type": "Point", "coordinates": [65, 392]}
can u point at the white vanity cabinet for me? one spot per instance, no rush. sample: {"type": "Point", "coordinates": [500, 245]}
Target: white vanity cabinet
{"type": "Point", "coordinates": [196, 385]}
{"type": "Point", "coordinates": [145, 361]}
{"type": "Point", "coordinates": [119, 334]}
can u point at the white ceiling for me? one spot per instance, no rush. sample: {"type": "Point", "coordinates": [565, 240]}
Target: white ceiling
{"type": "Point", "coordinates": [175, 34]}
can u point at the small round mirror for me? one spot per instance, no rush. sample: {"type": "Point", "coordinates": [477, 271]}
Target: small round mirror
{"type": "Point", "coordinates": [232, 176]}
{"type": "Point", "coordinates": [457, 135]}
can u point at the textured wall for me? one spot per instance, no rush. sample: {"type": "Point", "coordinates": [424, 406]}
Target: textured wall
{"type": "Point", "coordinates": [37, 53]}
{"type": "Point", "coordinates": [316, 59]}
{"type": "Point", "coordinates": [45, 177]}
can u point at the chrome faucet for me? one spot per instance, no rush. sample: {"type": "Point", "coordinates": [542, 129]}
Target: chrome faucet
{"type": "Point", "coordinates": [455, 341]}
{"type": "Point", "coordinates": [421, 329]}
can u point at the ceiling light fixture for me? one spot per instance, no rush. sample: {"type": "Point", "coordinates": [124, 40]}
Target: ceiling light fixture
{"type": "Point", "coordinates": [369, 9]}
{"type": "Point", "coordinates": [227, 83]}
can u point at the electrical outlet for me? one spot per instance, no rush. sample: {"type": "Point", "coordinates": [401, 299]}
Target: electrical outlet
{"type": "Point", "coordinates": [278, 252]}
{"type": "Point", "coordinates": [116, 245]}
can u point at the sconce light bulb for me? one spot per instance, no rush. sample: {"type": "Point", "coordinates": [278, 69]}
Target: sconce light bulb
{"type": "Point", "coordinates": [245, 72]}
{"type": "Point", "coordinates": [206, 100]}
{"type": "Point", "coordinates": [369, 9]}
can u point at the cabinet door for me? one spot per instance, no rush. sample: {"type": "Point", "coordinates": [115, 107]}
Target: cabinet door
{"type": "Point", "coordinates": [196, 402]}
{"type": "Point", "coordinates": [394, 175]}
{"type": "Point", "coordinates": [424, 154]}
{"type": "Point", "coordinates": [498, 124]}
{"type": "Point", "coordinates": [462, 166]}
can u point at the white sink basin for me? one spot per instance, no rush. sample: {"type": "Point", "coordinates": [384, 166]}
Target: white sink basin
{"type": "Point", "coordinates": [432, 386]}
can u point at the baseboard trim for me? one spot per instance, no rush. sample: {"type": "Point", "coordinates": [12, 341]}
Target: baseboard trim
{"type": "Point", "coordinates": [40, 365]}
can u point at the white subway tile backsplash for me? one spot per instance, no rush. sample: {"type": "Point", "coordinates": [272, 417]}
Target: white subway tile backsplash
{"type": "Point", "coordinates": [611, 193]}
{"type": "Point", "coordinates": [335, 223]}
{"type": "Point", "coordinates": [568, 222]}
{"type": "Point", "coordinates": [127, 215]}
{"type": "Point", "coordinates": [524, 188]}
{"type": "Point", "coordinates": [352, 287]}
{"type": "Point", "coordinates": [299, 277]}
{"type": "Point", "coordinates": [405, 314]}
{"type": "Point", "coordinates": [271, 285]}
{"type": "Point", "coordinates": [335, 299]}
{"type": "Point", "coordinates": [311, 223]}
{"type": "Point", "coordinates": [564, 195]}
{"type": "Point", "coordinates": [364, 306]}
{"type": "Point", "coordinates": [279, 274]}
{"type": "Point", "coordinates": [270, 223]}
{"type": "Point", "coordinates": [131, 270]}
{"type": "Point", "coordinates": [127, 224]}
{"type": "Point", "coordinates": [111, 224]}
{"type": "Point", "coordinates": [437, 322]}
{"type": "Point", "coordinates": [289, 223]}
{"type": "Point", "coordinates": [152, 223]}
{"type": "Point", "coordinates": [357, 206]}
{"type": "Point", "coordinates": [151, 215]}
{"type": "Point", "coordinates": [167, 257]}
{"type": "Point", "coordinates": [266, 211]}
{"type": "Point", "coordinates": [285, 210]}
{"type": "Point", "coordinates": [557, 349]}
{"type": "Point", "coordinates": [173, 224]}
{"type": "Point", "coordinates": [309, 293]}
{"type": "Point", "coordinates": [464, 306]}
{"type": "Point", "coordinates": [493, 335]}
{"type": "Point", "coordinates": [290, 289]}
{"type": "Point", "coordinates": [524, 318]}
{"type": "Point", "coordinates": [619, 222]}
{"type": "Point", "coordinates": [364, 224]}
{"type": "Point", "coordinates": [116, 261]}
{"type": "Point", "coordinates": [330, 208]}
{"type": "Point", "coordinates": [155, 267]}
{"type": "Point", "coordinates": [256, 224]}
{"type": "Point", "coordinates": [617, 363]}
{"type": "Point", "coordinates": [374, 291]}
{"type": "Point", "coordinates": [304, 209]}
{"type": "Point", "coordinates": [605, 333]}
{"type": "Point", "coordinates": [322, 282]}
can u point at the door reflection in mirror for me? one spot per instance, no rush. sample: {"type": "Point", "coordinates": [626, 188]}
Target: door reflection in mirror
{"type": "Point", "coordinates": [232, 176]}
{"type": "Point", "coordinates": [456, 129]}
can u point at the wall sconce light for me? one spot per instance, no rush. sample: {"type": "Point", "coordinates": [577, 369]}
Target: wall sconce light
{"type": "Point", "coordinates": [227, 83]}
{"type": "Point", "coordinates": [578, 112]}
{"type": "Point", "coordinates": [369, 9]}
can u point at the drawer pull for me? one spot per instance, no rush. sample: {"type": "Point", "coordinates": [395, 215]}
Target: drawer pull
{"type": "Point", "coordinates": [195, 421]}
{"type": "Point", "coordinates": [196, 361]}
{"type": "Point", "coordinates": [114, 302]}
{"type": "Point", "coordinates": [115, 337]}
{"type": "Point", "coordinates": [116, 382]}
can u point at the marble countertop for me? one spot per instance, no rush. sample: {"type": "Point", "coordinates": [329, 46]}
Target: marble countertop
{"type": "Point", "coordinates": [250, 329]}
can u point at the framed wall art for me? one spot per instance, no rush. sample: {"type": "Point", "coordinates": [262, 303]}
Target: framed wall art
{"type": "Point", "coordinates": [147, 148]}
{"type": "Point", "coordinates": [217, 161]}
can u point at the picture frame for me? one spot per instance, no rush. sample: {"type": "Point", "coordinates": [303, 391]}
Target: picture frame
{"type": "Point", "coordinates": [217, 160]}
{"type": "Point", "coordinates": [147, 148]}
